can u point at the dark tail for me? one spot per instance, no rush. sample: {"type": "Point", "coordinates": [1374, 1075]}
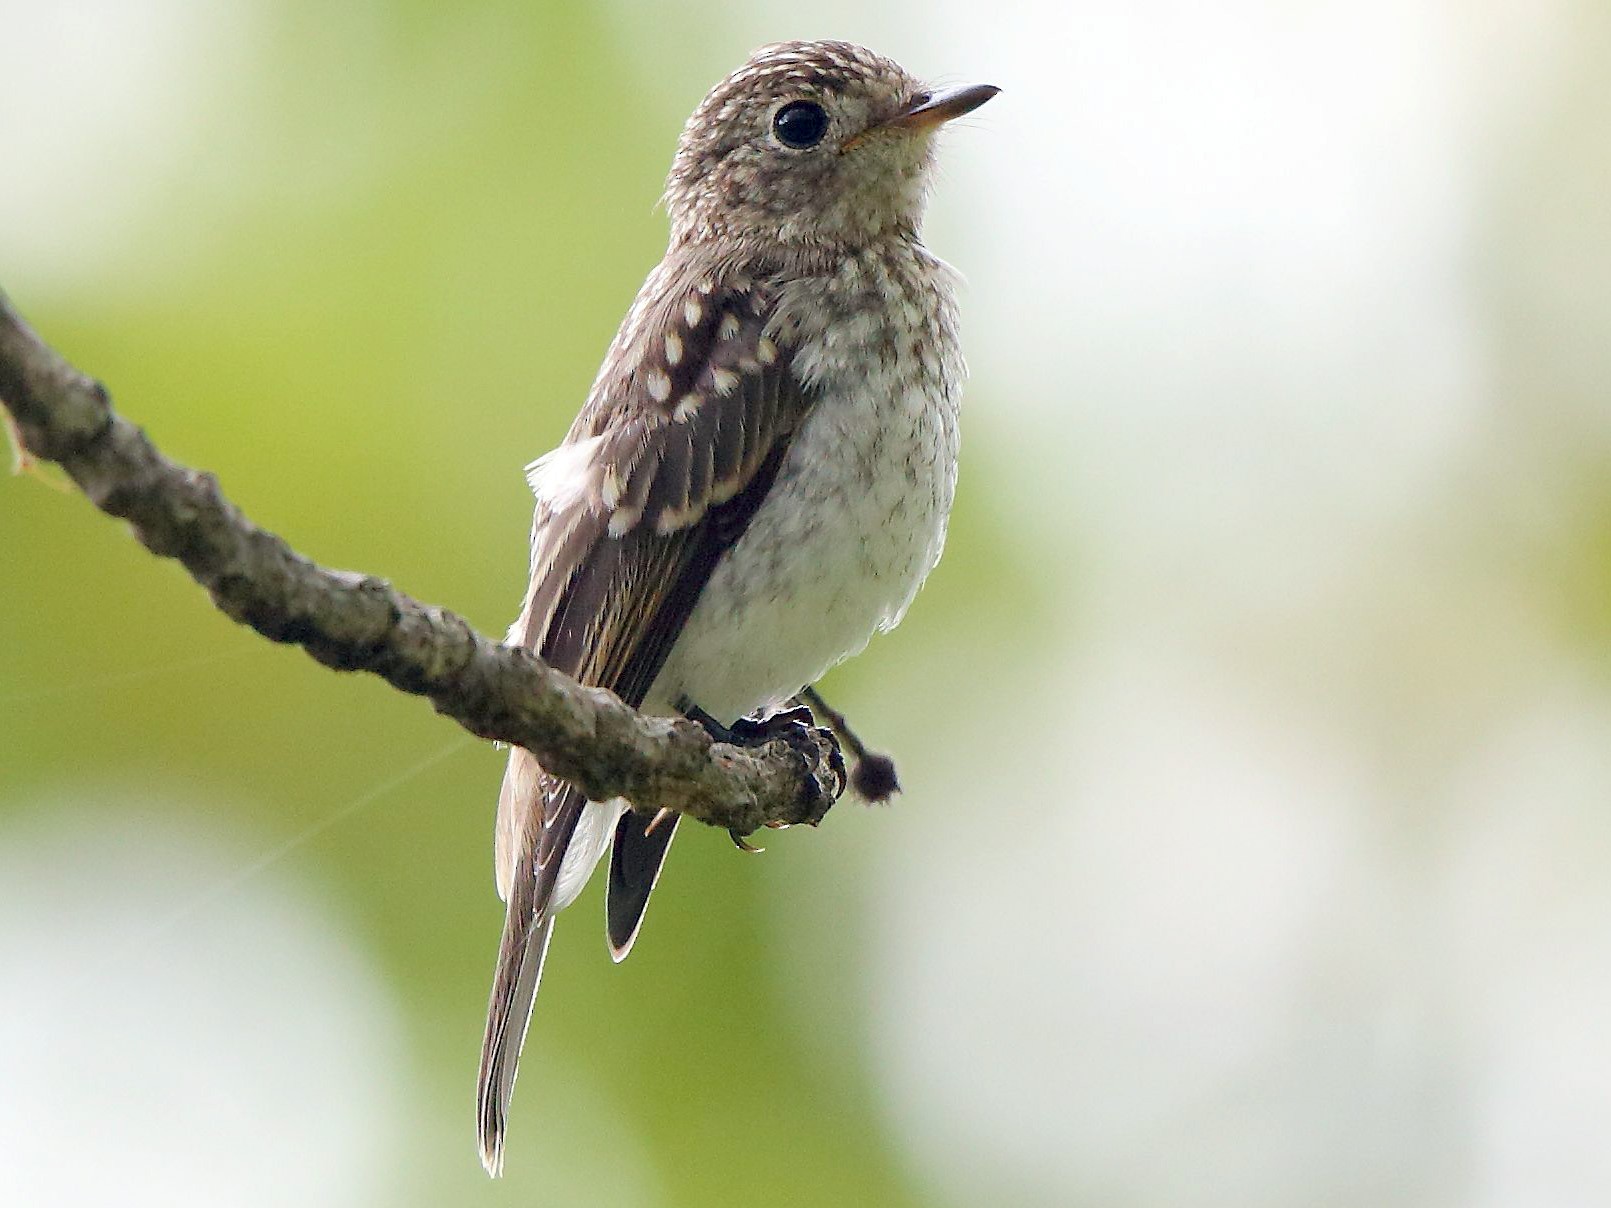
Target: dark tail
{"type": "Point", "coordinates": [636, 858]}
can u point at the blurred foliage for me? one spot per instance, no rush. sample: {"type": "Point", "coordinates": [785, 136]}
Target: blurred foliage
{"type": "Point", "coordinates": [383, 285]}
{"type": "Point", "coordinates": [1253, 731]}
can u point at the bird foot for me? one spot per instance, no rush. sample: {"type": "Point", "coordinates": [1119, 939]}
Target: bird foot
{"type": "Point", "coordinates": [798, 729]}
{"type": "Point", "coordinates": [793, 726]}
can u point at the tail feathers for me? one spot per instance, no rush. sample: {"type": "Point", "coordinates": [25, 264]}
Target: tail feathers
{"type": "Point", "coordinates": [520, 967]}
{"type": "Point", "coordinates": [636, 858]}
{"type": "Point", "coordinates": [520, 795]}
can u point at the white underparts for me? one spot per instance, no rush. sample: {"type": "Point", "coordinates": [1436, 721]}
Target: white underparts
{"type": "Point", "coordinates": [856, 518]}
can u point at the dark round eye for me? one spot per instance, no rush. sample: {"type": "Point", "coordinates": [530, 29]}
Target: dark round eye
{"type": "Point", "coordinates": [800, 124]}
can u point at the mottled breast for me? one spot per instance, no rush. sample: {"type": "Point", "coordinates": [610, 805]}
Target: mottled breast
{"type": "Point", "coordinates": [857, 516]}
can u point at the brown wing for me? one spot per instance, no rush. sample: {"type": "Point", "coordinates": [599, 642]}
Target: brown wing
{"type": "Point", "coordinates": [679, 444]}
{"type": "Point", "coordinates": [658, 477]}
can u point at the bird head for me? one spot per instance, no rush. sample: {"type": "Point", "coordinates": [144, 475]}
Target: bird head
{"type": "Point", "coordinates": [811, 142]}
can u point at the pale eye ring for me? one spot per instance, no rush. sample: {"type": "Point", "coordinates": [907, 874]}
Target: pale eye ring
{"type": "Point", "coordinates": [800, 125]}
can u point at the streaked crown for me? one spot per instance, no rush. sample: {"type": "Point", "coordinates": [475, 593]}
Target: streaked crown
{"type": "Point", "coordinates": [821, 142]}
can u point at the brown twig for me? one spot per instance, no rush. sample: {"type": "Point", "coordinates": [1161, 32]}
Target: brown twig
{"type": "Point", "coordinates": [355, 622]}
{"type": "Point", "coordinates": [872, 773]}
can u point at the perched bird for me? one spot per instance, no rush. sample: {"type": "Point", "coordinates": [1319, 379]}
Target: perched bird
{"type": "Point", "coordinates": [762, 472]}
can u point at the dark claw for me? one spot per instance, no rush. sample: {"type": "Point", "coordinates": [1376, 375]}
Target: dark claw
{"type": "Point", "coordinates": [743, 844]}
{"type": "Point", "coordinates": [836, 759]}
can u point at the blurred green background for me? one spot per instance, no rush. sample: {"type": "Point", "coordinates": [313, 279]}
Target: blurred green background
{"type": "Point", "coordinates": [1256, 729]}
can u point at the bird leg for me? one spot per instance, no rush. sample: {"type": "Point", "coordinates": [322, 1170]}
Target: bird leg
{"type": "Point", "coordinates": [873, 776]}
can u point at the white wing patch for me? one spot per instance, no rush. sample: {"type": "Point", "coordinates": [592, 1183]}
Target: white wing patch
{"type": "Point", "coordinates": [566, 476]}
